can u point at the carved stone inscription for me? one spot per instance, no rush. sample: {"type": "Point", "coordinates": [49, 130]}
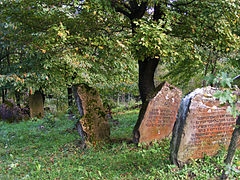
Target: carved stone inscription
{"type": "Point", "coordinates": [160, 115]}
{"type": "Point", "coordinates": [208, 127]}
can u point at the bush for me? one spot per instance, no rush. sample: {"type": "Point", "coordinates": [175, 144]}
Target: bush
{"type": "Point", "coordinates": [11, 113]}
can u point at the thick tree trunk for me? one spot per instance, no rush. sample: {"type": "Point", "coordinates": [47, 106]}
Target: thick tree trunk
{"type": "Point", "coordinates": [146, 77]}
{"type": "Point", "coordinates": [17, 95]}
{"type": "Point", "coordinates": [70, 100]}
{"type": "Point", "coordinates": [3, 96]}
{"type": "Point", "coordinates": [146, 87]}
{"type": "Point", "coordinates": [232, 147]}
{"type": "Point", "coordinates": [135, 11]}
{"type": "Point", "coordinates": [81, 113]}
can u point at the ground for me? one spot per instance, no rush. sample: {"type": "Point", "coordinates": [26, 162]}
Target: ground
{"type": "Point", "coordinates": [49, 149]}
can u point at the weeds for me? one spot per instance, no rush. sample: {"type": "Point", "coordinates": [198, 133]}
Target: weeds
{"type": "Point", "coordinates": [28, 151]}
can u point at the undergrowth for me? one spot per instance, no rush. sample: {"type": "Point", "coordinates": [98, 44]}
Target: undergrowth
{"type": "Point", "coordinates": [49, 149]}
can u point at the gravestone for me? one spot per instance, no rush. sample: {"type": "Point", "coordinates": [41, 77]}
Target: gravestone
{"type": "Point", "coordinates": [36, 105]}
{"type": "Point", "coordinates": [202, 127]}
{"type": "Point", "coordinates": [94, 120]}
{"type": "Point", "coordinates": [160, 113]}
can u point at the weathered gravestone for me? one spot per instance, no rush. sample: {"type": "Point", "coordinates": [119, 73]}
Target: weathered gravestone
{"type": "Point", "coordinates": [94, 121]}
{"type": "Point", "coordinates": [36, 105]}
{"type": "Point", "coordinates": [160, 113]}
{"type": "Point", "coordinates": [202, 127]}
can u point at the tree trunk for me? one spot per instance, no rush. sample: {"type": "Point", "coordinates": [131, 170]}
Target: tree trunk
{"type": "Point", "coordinates": [57, 104]}
{"type": "Point", "coordinates": [70, 100]}
{"type": "Point", "coordinates": [232, 147]}
{"type": "Point", "coordinates": [135, 11]}
{"type": "Point", "coordinates": [3, 96]}
{"type": "Point", "coordinates": [17, 95]}
{"type": "Point", "coordinates": [146, 87]}
{"type": "Point", "coordinates": [146, 77]}
{"type": "Point", "coordinates": [81, 113]}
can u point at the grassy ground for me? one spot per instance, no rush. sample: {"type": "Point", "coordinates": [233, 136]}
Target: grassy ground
{"type": "Point", "coordinates": [48, 149]}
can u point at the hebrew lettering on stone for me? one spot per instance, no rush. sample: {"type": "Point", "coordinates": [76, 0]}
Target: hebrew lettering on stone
{"type": "Point", "coordinates": [160, 114]}
{"type": "Point", "coordinates": [202, 127]}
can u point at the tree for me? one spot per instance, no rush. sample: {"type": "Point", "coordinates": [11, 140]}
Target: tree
{"type": "Point", "coordinates": [72, 45]}
{"type": "Point", "coordinates": [106, 34]}
{"type": "Point", "coordinates": [175, 31]}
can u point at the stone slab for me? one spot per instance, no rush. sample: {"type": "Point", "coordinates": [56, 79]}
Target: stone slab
{"type": "Point", "coordinates": [94, 121]}
{"type": "Point", "coordinates": [160, 114]}
{"type": "Point", "coordinates": [203, 126]}
{"type": "Point", "coordinates": [36, 105]}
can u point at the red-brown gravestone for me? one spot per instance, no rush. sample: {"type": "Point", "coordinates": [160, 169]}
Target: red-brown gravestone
{"type": "Point", "coordinates": [94, 121]}
{"type": "Point", "coordinates": [202, 127]}
{"type": "Point", "coordinates": [160, 114]}
{"type": "Point", "coordinates": [36, 105]}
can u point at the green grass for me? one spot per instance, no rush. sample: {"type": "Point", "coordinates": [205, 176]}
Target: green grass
{"type": "Point", "coordinates": [48, 149]}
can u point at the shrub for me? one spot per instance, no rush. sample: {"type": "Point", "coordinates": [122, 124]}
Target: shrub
{"type": "Point", "coordinates": [11, 113]}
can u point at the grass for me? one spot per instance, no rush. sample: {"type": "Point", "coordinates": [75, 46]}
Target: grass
{"type": "Point", "coordinates": [48, 149]}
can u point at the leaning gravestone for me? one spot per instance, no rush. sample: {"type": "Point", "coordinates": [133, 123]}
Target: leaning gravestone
{"type": "Point", "coordinates": [36, 105]}
{"type": "Point", "coordinates": [202, 127]}
{"type": "Point", "coordinates": [160, 113]}
{"type": "Point", "coordinates": [94, 121]}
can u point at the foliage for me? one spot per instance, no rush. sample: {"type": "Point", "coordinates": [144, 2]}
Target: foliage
{"type": "Point", "coordinates": [88, 42]}
{"type": "Point", "coordinates": [74, 44]}
{"type": "Point", "coordinates": [10, 112]}
{"type": "Point", "coordinates": [29, 151]}
{"type": "Point", "coordinates": [228, 94]}
{"type": "Point", "coordinates": [152, 40]}
{"type": "Point", "coordinates": [214, 51]}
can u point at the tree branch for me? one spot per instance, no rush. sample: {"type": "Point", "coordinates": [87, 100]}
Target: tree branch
{"type": "Point", "coordinates": [142, 9]}
{"type": "Point", "coordinates": [158, 12]}
{"type": "Point", "coordinates": [3, 57]}
{"type": "Point", "coordinates": [177, 4]}
{"type": "Point", "coordinates": [119, 8]}
{"type": "Point", "coordinates": [133, 10]}
{"type": "Point", "coordinates": [182, 4]}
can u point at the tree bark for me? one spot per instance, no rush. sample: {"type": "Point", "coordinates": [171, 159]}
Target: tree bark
{"type": "Point", "coordinates": [146, 87]}
{"type": "Point", "coordinates": [17, 95]}
{"type": "Point", "coordinates": [70, 99]}
{"type": "Point", "coordinates": [232, 147]}
{"type": "Point", "coordinates": [135, 10]}
{"type": "Point", "coordinates": [3, 96]}
{"type": "Point", "coordinates": [146, 77]}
